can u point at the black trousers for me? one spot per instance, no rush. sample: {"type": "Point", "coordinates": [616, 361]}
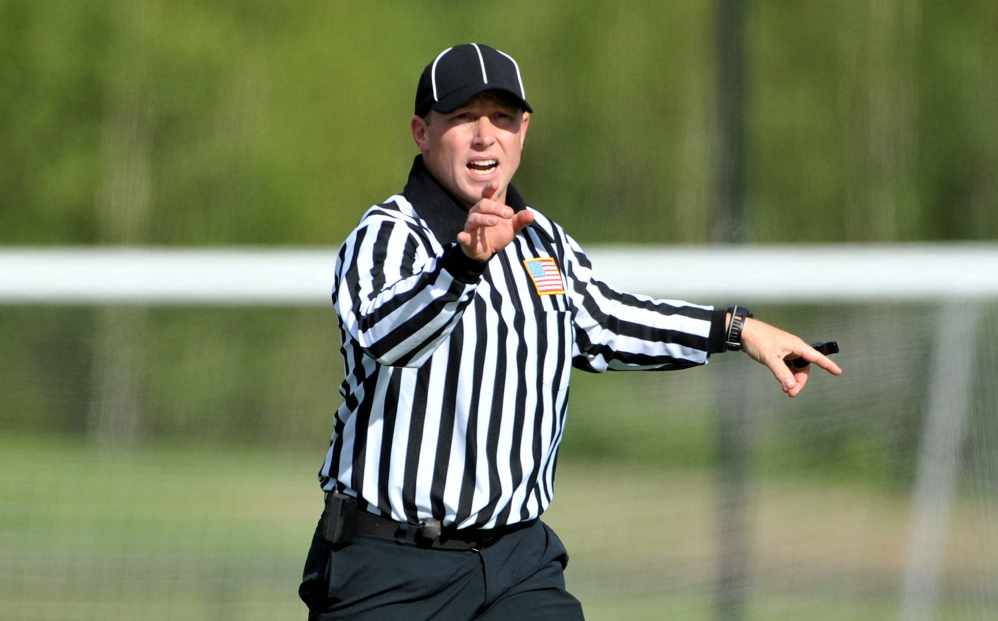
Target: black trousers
{"type": "Point", "coordinates": [520, 576]}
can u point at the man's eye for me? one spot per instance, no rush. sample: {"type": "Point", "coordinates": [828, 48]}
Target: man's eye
{"type": "Point", "coordinates": [502, 119]}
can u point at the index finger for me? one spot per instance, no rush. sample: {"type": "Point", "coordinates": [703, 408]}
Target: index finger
{"type": "Point", "coordinates": [488, 204]}
{"type": "Point", "coordinates": [817, 353]}
{"type": "Point", "coordinates": [490, 190]}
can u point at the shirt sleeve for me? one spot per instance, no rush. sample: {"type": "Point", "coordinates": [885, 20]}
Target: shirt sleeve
{"type": "Point", "coordinates": [397, 294]}
{"type": "Point", "coordinates": [615, 330]}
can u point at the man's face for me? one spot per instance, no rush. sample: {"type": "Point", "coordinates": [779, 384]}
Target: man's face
{"type": "Point", "coordinates": [477, 144]}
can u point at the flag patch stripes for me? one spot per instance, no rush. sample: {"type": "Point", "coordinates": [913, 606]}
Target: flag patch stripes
{"type": "Point", "coordinates": [546, 276]}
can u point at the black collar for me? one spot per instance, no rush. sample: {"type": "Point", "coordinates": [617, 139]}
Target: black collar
{"type": "Point", "coordinates": [438, 207]}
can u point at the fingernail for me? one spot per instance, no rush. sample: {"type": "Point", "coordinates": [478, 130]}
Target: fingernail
{"type": "Point", "coordinates": [789, 383]}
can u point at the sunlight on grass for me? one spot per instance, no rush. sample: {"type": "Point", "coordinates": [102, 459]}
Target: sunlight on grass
{"type": "Point", "coordinates": [218, 533]}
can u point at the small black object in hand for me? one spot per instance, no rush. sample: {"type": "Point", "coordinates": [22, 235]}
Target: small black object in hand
{"type": "Point", "coordinates": [828, 348]}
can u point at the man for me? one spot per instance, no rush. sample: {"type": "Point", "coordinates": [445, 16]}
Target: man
{"type": "Point", "coordinates": [461, 312]}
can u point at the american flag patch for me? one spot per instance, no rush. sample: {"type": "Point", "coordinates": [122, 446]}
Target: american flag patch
{"type": "Point", "coordinates": [545, 274]}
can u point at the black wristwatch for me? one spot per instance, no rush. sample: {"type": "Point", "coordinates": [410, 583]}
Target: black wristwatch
{"type": "Point", "coordinates": [733, 340]}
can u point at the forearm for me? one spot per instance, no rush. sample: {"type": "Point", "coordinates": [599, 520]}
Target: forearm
{"type": "Point", "coordinates": [618, 331]}
{"type": "Point", "coordinates": [400, 323]}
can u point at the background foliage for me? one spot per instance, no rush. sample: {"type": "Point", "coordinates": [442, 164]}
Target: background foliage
{"type": "Point", "coordinates": [260, 122]}
{"type": "Point", "coordinates": [276, 123]}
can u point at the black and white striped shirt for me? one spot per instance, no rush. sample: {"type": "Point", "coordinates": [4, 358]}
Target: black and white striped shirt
{"type": "Point", "coordinates": [457, 371]}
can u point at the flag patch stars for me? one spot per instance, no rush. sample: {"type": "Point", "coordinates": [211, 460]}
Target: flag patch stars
{"type": "Point", "coordinates": [544, 272]}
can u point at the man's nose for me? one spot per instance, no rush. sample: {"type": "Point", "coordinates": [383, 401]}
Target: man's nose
{"type": "Point", "coordinates": [485, 130]}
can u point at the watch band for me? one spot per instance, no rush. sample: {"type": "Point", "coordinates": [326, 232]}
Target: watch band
{"type": "Point", "coordinates": [733, 340]}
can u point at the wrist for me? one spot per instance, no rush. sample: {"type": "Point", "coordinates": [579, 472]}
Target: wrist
{"type": "Point", "coordinates": [464, 268]}
{"type": "Point", "coordinates": [736, 323]}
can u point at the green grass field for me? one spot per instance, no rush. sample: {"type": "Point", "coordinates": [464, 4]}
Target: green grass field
{"type": "Point", "coordinates": [214, 533]}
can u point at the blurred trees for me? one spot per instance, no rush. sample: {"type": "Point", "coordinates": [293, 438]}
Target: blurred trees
{"type": "Point", "coordinates": [184, 122]}
{"type": "Point", "coordinates": [279, 123]}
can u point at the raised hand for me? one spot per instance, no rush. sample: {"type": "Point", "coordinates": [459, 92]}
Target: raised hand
{"type": "Point", "coordinates": [491, 225]}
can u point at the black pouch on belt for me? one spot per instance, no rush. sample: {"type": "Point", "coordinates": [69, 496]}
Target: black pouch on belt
{"type": "Point", "coordinates": [341, 518]}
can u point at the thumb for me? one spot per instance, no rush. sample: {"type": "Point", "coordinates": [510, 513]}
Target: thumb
{"type": "Point", "coordinates": [522, 220]}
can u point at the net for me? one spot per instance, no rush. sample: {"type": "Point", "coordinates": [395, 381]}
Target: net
{"type": "Point", "coordinates": [182, 484]}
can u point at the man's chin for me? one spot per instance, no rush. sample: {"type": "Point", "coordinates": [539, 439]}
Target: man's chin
{"type": "Point", "coordinates": [471, 194]}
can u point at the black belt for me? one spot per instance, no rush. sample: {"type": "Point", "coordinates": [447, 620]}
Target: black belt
{"type": "Point", "coordinates": [430, 535]}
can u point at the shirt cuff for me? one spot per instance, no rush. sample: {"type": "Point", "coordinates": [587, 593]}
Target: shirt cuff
{"type": "Point", "coordinates": [718, 331]}
{"type": "Point", "coordinates": [465, 269]}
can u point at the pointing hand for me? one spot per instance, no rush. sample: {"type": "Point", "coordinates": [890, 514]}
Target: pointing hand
{"type": "Point", "coordinates": [491, 225]}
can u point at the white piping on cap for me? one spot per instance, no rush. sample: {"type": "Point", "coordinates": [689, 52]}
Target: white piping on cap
{"type": "Point", "coordinates": [433, 72]}
{"type": "Point", "coordinates": [481, 61]}
{"type": "Point", "coordinates": [523, 95]}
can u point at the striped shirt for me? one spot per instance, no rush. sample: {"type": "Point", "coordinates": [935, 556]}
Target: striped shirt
{"type": "Point", "coordinates": [456, 371]}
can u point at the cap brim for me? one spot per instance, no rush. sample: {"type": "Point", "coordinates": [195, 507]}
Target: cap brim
{"type": "Point", "coordinates": [454, 100]}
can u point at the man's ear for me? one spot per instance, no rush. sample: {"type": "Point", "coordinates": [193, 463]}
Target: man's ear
{"type": "Point", "coordinates": [419, 130]}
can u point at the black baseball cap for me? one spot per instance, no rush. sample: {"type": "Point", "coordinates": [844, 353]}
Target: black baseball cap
{"type": "Point", "coordinates": [459, 73]}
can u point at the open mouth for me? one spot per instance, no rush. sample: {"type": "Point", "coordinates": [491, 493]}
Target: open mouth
{"type": "Point", "coordinates": [482, 167]}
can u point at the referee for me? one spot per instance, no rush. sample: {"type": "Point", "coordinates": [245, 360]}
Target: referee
{"type": "Point", "coordinates": [462, 311]}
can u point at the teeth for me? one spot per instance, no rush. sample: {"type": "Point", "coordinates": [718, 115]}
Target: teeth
{"type": "Point", "coordinates": [484, 164]}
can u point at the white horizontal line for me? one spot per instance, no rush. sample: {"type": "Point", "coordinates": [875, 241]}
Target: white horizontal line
{"type": "Point", "coordinates": [845, 273]}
